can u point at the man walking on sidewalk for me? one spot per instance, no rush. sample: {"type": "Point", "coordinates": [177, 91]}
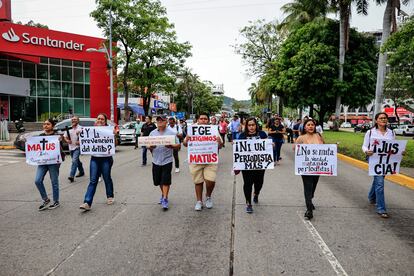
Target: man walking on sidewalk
{"type": "Point", "coordinates": [203, 173]}
{"type": "Point", "coordinates": [145, 131]}
{"type": "Point", "coordinates": [73, 142]}
{"type": "Point", "coordinates": [162, 158]}
{"type": "Point", "coordinates": [176, 128]}
{"type": "Point", "coordinates": [138, 127]}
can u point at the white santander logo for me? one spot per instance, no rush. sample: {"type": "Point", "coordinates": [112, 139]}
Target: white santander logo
{"type": "Point", "coordinates": [11, 35]}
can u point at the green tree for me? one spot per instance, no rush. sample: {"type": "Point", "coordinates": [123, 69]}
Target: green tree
{"type": "Point", "coordinates": [300, 12]}
{"type": "Point", "coordinates": [308, 68]}
{"type": "Point", "coordinates": [186, 90]}
{"type": "Point", "coordinates": [31, 23]}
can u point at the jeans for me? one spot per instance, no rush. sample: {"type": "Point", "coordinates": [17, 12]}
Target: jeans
{"type": "Point", "coordinates": [276, 150]}
{"type": "Point", "coordinates": [309, 187]}
{"type": "Point", "coordinates": [223, 137]}
{"type": "Point", "coordinates": [251, 178]}
{"type": "Point", "coordinates": [100, 166]}
{"type": "Point", "coordinates": [234, 136]}
{"type": "Point", "coordinates": [76, 163]}
{"type": "Point", "coordinates": [54, 177]}
{"type": "Point", "coordinates": [144, 155]}
{"type": "Point", "coordinates": [376, 193]}
{"type": "Point", "coordinates": [176, 159]}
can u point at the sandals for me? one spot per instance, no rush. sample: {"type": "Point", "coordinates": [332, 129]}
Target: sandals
{"type": "Point", "coordinates": [383, 215]}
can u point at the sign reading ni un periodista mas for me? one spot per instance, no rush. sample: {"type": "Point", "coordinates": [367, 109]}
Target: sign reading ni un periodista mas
{"type": "Point", "coordinates": [316, 159]}
{"type": "Point", "coordinates": [97, 141]}
{"type": "Point", "coordinates": [253, 154]}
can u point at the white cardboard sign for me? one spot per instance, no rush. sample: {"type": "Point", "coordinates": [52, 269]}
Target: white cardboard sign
{"type": "Point", "coordinates": [43, 150]}
{"type": "Point", "coordinates": [316, 159]}
{"type": "Point", "coordinates": [387, 156]}
{"type": "Point", "coordinates": [203, 144]}
{"type": "Point", "coordinates": [97, 141]}
{"type": "Point", "coordinates": [253, 154]}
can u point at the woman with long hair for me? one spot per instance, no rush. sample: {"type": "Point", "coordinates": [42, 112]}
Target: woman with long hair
{"type": "Point", "coordinates": [277, 131]}
{"type": "Point", "coordinates": [379, 131]}
{"type": "Point", "coordinates": [252, 177]}
{"type": "Point", "coordinates": [99, 165]}
{"type": "Point", "coordinates": [309, 136]}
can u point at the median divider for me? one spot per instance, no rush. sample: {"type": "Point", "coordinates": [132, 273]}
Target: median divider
{"type": "Point", "coordinates": [399, 179]}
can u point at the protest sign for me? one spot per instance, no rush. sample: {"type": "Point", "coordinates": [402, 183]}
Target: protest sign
{"type": "Point", "coordinates": [387, 156]}
{"type": "Point", "coordinates": [43, 150]}
{"type": "Point", "coordinates": [97, 141]}
{"type": "Point", "coordinates": [316, 159]}
{"type": "Point", "coordinates": [253, 154]}
{"type": "Point", "coordinates": [156, 140]}
{"type": "Point", "coordinates": [203, 144]}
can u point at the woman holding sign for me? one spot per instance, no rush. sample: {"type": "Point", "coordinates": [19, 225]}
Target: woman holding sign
{"type": "Point", "coordinates": [252, 177]}
{"type": "Point", "coordinates": [309, 136]}
{"type": "Point", "coordinates": [99, 165]}
{"type": "Point", "coordinates": [379, 131]}
{"type": "Point", "coordinates": [53, 169]}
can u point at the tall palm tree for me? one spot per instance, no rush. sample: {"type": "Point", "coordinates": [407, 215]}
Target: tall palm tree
{"type": "Point", "coordinates": [188, 85]}
{"type": "Point", "coordinates": [389, 24]}
{"type": "Point", "coordinates": [300, 12]}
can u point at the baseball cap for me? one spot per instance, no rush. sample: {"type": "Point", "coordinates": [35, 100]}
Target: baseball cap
{"type": "Point", "coordinates": [162, 117]}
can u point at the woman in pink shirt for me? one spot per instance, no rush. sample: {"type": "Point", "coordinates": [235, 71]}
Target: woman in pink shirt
{"type": "Point", "coordinates": [223, 129]}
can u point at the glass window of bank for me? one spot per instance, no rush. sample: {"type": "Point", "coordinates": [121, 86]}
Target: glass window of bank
{"type": "Point", "coordinates": [58, 88]}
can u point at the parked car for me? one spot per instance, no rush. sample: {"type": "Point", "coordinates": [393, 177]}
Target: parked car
{"type": "Point", "coordinates": [127, 133]}
{"type": "Point", "coordinates": [362, 127]}
{"type": "Point", "coordinates": [346, 125]}
{"type": "Point", "coordinates": [20, 141]}
{"type": "Point", "coordinates": [404, 130]}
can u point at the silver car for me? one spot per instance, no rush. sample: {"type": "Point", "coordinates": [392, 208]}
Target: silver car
{"type": "Point", "coordinates": [127, 133]}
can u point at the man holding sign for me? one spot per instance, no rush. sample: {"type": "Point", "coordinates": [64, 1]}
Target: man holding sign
{"type": "Point", "coordinates": [385, 155]}
{"type": "Point", "coordinates": [45, 151]}
{"type": "Point", "coordinates": [203, 141]}
{"type": "Point", "coordinates": [162, 159]}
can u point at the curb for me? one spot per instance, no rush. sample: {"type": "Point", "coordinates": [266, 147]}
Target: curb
{"type": "Point", "coordinates": [7, 147]}
{"type": "Point", "coordinates": [399, 179]}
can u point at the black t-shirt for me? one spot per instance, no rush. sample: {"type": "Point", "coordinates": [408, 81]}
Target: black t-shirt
{"type": "Point", "coordinates": [259, 135]}
{"type": "Point", "coordinates": [278, 128]}
{"type": "Point", "coordinates": [147, 128]}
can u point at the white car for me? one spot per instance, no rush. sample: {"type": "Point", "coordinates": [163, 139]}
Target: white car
{"type": "Point", "coordinates": [127, 133]}
{"type": "Point", "coordinates": [346, 125]}
{"type": "Point", "coordinates": [404, 130]}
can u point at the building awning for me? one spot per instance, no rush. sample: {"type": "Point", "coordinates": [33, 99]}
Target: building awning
{"type": "Point", "coordinates": [14, 86]}
{"type": "Point", "coordinates": [134, 107]}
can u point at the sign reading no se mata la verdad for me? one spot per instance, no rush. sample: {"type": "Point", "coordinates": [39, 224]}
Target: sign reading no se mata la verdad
{"type": "Point", "coordinates": [98, 141]}
{"type": "Point", "coordinates": [43, 150]}
{"type": "Point", "coordinates": [387, 156]}
{"type": "Point", "coordinates": [253, 154]}
{"type": "Point", "coordinates": [316, 159]}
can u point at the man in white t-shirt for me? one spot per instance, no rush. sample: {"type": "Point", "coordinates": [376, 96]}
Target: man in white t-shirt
{"type": "Point", "coordinates": [73, 142]}
{"type": "Point", "coordinates": [177, 129]}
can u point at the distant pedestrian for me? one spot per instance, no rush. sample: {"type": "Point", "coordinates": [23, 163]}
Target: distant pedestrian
{"type": "Point", "coordinates": [235, 127]}
{"type": "Point", "coordinates": [176, 128]}
{"type": "Point", "coordinates": [162, 159]}
{"type": "Point", "coordinates": [223, 130]}
{"type": "Point", "coordinates": [145, 131]}
{"type": "Point", "coordinates": [289, 123]}
{"type": "Point", "coordinates": [203, 173]}
{"type": "Point", "coordinates": [138, 127]}
{"type": "Point", "coordinates": [277, 131]}
{"type": "Point", "coordinates": [295, 130]}
{"type": "Point", "coordinates": [100, 165]}
{"type": "Point", "coordinates": [252, 177]}
{"type": "Point", "coordinates": [309, 136]}
{"type": "Point", "coordinates": [379, 131]}
{"type": "Point", "coordinates": [53, 169]}
{"type": "Point", "coordinates": [73, 143]}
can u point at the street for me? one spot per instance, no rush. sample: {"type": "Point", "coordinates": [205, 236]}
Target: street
{"type": "Point", "coordinates": [136, 237]}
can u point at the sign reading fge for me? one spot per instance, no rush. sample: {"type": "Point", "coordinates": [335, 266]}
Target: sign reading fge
{"type": "Point", "coordinates": [253, 154]}
{"type": "Point", "coordinates": [203, 144]}
{"type": "Point", "coordinates": [316, 159]}
{"type": "Point", "coordinates": [97, 141]}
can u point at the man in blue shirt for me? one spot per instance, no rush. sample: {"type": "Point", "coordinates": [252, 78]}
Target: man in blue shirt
{"type": "Point", "coordinates": [235, 127]}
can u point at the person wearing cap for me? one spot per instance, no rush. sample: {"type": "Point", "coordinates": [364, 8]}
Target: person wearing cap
{"type": "Point", "coordinates": [173, 126]}
{"type": "Point", "coordinates": [146, 129]}
{"type": "Point", "coordinates": [162, 158]}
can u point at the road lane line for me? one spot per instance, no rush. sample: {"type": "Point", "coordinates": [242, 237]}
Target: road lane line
{"type": "Point", "coordinates": [86, 241]}
{"type": "Point", "coordinates": [337, 267]}
{"type": "Point", "coordinates": [233, 225]}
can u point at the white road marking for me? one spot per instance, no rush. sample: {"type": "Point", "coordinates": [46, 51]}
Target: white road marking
{"type": "Point", "coordinates": [337, 267]}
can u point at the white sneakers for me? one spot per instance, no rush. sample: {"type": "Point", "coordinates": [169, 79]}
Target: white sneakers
{"type": "Point", "coordinates": [199, 204]}
{"type": "Point", "coordinates": [209, 203]}
{"type": "Point", "coordinates": [177, 170]}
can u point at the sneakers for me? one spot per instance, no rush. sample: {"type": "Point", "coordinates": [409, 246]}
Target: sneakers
{"type": "Point", "coordinates": [71, 179]}
{"type": "Point", "coordinates": [177, 170]}
{"type": "Point", "coordinates": [209, 203]}
{"type": "Point", "coordinates": [198, 206]}
{"type": "Point", "coordinates": [54, 205]}
{"type": "Point", "coordinates": [160, 202]}
{"type": "Point", "coordinates": [164, 203]}
{"type": "Point", "coordinates": [110, 200]}
{"type": "Point", "coordinates": [44, 205]}
{"type": "Point", "coordinates": [309, 214]}
{"type": "Point", "coordinates": [85, 206]}
{"type": "Point", "coordinates": [256, 199]}
{"type": "Point", "coordinates": [249, 209]}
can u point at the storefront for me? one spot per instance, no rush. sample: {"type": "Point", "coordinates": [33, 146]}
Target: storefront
{"type": "Point", "coordinates": [46, 73]}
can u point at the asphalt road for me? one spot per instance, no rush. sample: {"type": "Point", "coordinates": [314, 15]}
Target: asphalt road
{"type": "Point", "coordinates": [135, 237]}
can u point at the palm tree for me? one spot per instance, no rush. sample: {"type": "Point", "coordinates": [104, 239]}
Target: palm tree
{"type": "Point", "coordinates": [300, 12]}
{"type": "Point", "coordinates": [389, 24]}
{"type": "Point", "coordinates": [188, 85]}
